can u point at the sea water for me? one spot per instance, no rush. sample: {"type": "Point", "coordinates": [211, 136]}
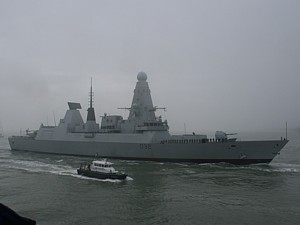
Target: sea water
{"type": "Point", "coordinates": [46, 188]}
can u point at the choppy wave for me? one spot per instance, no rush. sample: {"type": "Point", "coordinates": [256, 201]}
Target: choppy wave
{"type": "Point", "coordinates": [274, 167]}
{"type": "Point", "coordinates": [282, 168]}
{"type": "Point", "coordinates": [38, 167]}
{"type": "Point", "coordinates": [95, 179]}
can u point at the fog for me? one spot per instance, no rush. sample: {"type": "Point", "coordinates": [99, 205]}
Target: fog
{"type": "Point", "coordinates": [215, 65]}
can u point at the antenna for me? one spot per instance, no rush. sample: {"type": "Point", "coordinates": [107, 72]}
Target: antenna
{"type": "Point", "coordinates": [155, 108]}
{"type": "Point", "coordinates": [125, 108]}
{"type": "Point", "coordinates": [54, 118]}
{"type": "Point", "coordinates": [91, 94]}
{"type": "Point", "coordinates": [91, 111]}
{"type": "Point", "coordinates": [286, 130]}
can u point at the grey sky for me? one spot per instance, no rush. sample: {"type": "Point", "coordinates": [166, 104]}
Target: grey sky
{"type": "Point", "coordinates": [216, 65]}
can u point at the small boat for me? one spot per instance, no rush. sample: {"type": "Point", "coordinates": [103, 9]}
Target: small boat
{"type": "Point", "coordinates": [100, 169]}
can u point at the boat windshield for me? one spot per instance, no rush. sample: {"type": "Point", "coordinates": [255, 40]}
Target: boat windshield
{"type": "Point", "coordinates": [101, 165]}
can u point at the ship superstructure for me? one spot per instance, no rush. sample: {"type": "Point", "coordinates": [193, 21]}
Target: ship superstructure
{"type": "Point", "coordinates": [142, 136]}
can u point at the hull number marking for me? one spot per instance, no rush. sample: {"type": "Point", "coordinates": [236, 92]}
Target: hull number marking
{"type": "Point", "coordinates": [145, 146]}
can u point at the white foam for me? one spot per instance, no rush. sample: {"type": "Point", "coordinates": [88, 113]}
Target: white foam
{"type": "Point", "coordinates": [35, 166]}
{"type": "Point", "coordinates": [284, 168]}
{"type": "Point", "coordinates": [274, 167]}
{"type": "Point", "coordinates": [129, 178]}
{"type": "Point", "coordinates": [190, 171]}
{"type": "Point", "coordinates": [182, 164]}
{"type": "Point", "coordinates": [95, 179]}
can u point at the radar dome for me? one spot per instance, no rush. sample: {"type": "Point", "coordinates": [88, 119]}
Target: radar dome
{"type": "Point", "coordinates": [142, 76]}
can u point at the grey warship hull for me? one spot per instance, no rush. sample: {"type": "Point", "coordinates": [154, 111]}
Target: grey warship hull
{"type": "Point", "coordinates": [240, 152]}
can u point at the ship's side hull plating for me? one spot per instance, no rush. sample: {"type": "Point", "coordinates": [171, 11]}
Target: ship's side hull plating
{"type": "Point", "coordinates": [240, 152]}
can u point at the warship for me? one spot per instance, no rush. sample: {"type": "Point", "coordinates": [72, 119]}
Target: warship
{"type": "Point", "coordinates": [142, 136]}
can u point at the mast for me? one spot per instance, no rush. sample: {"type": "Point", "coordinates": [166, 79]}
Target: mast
{"type": "Point", "coordinates": [91, 111]}
{"type": "Point", "coordinates": [91, 126]}
{"type": "Point", "coordinates": [91, 94]}
{"type": "Point", "coordinates": [1, 130]}
{"type": "Point", "coordinates": [286, 130]}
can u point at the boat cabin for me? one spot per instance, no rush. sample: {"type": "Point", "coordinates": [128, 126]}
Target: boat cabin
{"type": "Point", "coordinates": [102, 166]}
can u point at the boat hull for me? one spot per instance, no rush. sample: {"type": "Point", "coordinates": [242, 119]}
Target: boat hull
{"type": "Point", "coordinates": [240, 152]}
{"type": "Point", "coordinates": [98, 175]}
